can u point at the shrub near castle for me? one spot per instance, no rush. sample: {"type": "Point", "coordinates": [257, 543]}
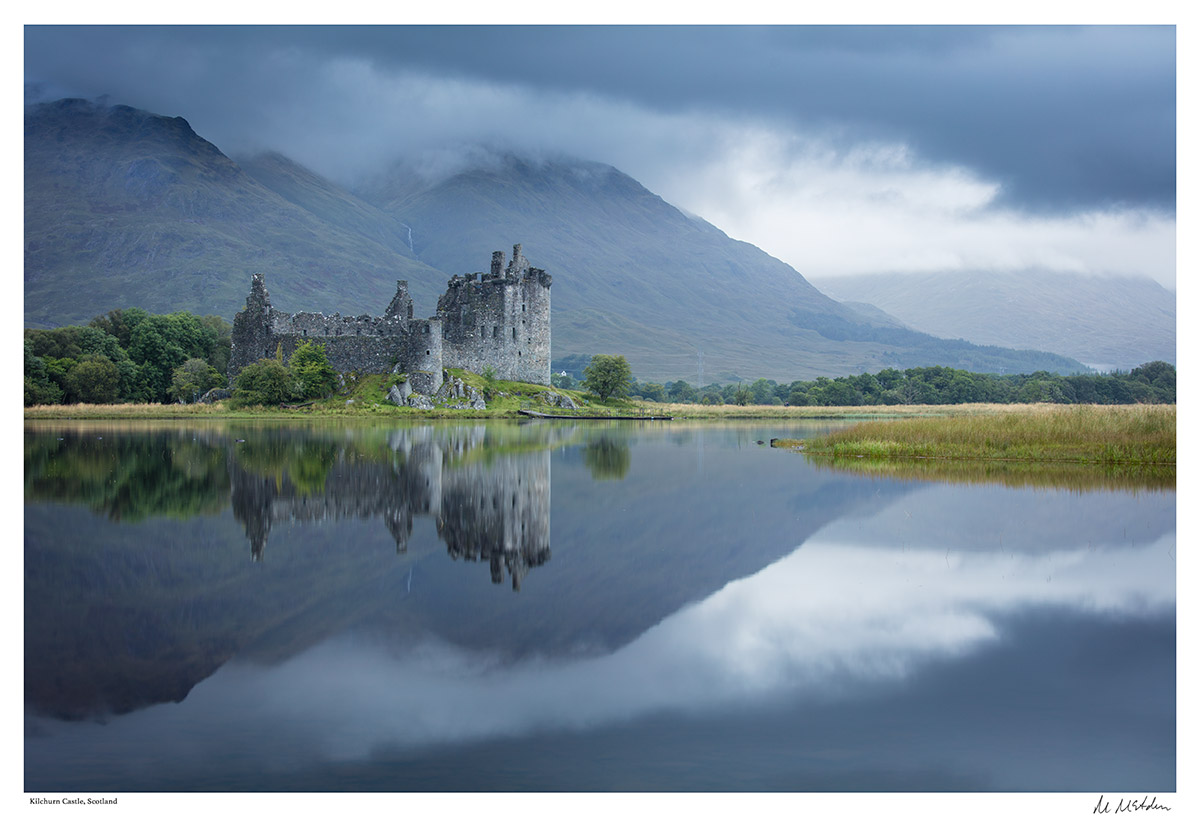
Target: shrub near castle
{"type": "Point", "coordinates": [266, 382]}
{"type": "Point", "coordinates": [312, 370]}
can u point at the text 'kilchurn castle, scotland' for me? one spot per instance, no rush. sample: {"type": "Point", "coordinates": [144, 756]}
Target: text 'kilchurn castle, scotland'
{"type": "Point", "coordinates": [499, 319]}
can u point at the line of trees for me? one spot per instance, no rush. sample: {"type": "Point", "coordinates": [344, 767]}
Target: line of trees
{"type": "Point", "coordinates": [127, 356]}
{"type": "Point", "coordinates": [131, 356]}
{"type": "Point", "coordinates": [1152, 382]}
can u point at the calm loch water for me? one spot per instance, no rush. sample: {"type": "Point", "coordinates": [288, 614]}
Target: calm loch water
{"type": "Point", "coordinates": [580, 607]}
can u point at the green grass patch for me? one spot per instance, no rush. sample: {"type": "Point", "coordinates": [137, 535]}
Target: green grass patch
{"type": "Point", "coordinates": [1139, 434]}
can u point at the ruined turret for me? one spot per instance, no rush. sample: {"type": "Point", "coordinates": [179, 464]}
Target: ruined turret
{"type": "Point", "coordinates": [252, 335]}
{"type": "Point", "coordinates": [401, 305]}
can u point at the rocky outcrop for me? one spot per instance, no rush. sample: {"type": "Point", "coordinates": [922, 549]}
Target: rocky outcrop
{"type": "Point", "coordinates": [452, 394]}
{"type": "Point", "coordinates": [558, 400]}
{"type": "Point", "coordinates": [456, 394]}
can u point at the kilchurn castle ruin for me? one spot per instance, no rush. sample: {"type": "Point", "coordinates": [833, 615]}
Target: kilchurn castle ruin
{"type": "Point", "coordinates": [499, 319]}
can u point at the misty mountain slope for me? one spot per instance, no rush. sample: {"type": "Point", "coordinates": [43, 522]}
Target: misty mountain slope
{"type": "Point", "coordinates": [1114, 322]}
{"type": "Point", "coordinates": [337, 207]}
{"type": "Point", "coordinates": [635, 275]}
{"type": "Point", "coordinates": [873, 314]}
{"type": "Point", "coordinates": [127, 208]}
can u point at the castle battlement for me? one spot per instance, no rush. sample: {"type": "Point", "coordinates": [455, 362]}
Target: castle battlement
{"type": "Point", "coordinates": [498, 319]}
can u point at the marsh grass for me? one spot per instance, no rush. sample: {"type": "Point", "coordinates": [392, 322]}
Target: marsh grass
{"type": "Point", "coordinates": [1138, 434]}
{"type": "Point", "coordinates": [125, 411]}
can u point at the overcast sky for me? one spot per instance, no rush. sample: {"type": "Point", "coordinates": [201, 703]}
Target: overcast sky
{"type": "Point", "coordinates": [840, 150]}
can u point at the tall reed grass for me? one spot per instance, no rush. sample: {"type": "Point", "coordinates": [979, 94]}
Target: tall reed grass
{"type": "Point", "coordinates": [1139, 434]}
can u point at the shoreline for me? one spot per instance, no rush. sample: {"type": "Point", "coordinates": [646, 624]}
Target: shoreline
{"type": "Point", "coordinates": [625, 410]}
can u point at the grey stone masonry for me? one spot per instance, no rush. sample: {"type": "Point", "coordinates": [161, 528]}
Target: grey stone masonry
{"type": "Point", "coordinates": [500, 320]}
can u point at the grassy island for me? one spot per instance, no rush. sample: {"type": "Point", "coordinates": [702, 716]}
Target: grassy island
{"type": "Point", "coordinates": [1136, 434]}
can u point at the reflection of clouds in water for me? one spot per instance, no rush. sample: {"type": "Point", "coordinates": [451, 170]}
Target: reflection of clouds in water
{"type": "Point", "coordinates": [985, 518]}
{"type": "Point", "coordinates": [824, 619]}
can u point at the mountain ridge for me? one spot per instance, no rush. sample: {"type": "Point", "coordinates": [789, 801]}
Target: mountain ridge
{"type": "Point", "coordinates": [127, 208]}
{"type": "Point", "coordinates": [624, 259]}
{"type": "Point", "coordinates": [1107, 322]}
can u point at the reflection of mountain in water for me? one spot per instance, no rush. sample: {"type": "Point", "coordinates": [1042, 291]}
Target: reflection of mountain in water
{"type": "Point", "coordinates": [497, 511]}
{"type": "Point", "coordinates": [121, 616]}
{"type": "Point", "coordinates": [144, 593]}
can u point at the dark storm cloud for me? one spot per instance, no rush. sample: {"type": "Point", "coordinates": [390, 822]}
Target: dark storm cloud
{"type": "Point", "coordinates": [1063, 118]}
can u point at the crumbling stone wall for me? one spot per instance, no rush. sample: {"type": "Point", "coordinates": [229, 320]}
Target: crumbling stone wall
{"type": "Point", "coordinates": [362, 343]}
{"type": "Point", "coordinates": [499, 319]}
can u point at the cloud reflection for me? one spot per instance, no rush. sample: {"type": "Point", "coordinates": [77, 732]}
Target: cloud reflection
{"type": "Point", "coordinates": [827, 619]}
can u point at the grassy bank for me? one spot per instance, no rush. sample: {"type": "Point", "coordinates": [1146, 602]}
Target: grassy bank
{"type": "Point", "coordinates": [1139, 434]}
{"type": "Point", "coordinates": [364, 397]}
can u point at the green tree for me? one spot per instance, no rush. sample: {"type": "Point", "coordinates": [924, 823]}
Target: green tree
{"type": "Point", "coordinates": [763, 391]}
{"type": "Point", "coordinates": [218, 339]}
{"type": "Point", "coordinates": [266, 382]}
{"type": "Point", "coordinates": [192, 379]}
{"type": "Point", "coordinates": [681, 392]}
{"type": "Point", "coordinates": [120, 324]}
{"type": "Point", "coordinates": [41, 394]}
{"type": "Point", "coordinates": [653, 392]}
{"type": "Point", "coordinates": [134, 388]}
{"type": "Point", "coordinates": [312, 371]}
{"type": "Point", "coordinates": [743, 396]}
{"type": "Point", "coordinates": [39, 388]}
{"type": "Point", "coordinates": [94, 379]}
{"type": "Point", "coordinates": [607, 376]}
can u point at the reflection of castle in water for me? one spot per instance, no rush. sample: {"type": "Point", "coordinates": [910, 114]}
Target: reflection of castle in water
{"type": "Point", "coordinates": [497, 510]}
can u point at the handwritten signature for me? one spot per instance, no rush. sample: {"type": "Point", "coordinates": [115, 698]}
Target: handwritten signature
{"type": "Point", "coordinates": [1146, 804]}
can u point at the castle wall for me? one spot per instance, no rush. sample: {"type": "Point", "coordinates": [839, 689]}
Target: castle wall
{"type": "Point", "coordinates": [499, 319]}
{"type": "Point", "coordinates": [369, 344]}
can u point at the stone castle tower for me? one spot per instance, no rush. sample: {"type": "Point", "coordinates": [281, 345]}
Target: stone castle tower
{"type": "Point", "coordinates": [499, 319]}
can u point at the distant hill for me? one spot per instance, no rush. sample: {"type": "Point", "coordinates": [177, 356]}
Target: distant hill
{"type": "Point", "coordinates": [126, 208]}
{"type": "Point", "coordinates": [1103, 322]}
{"type": "Point", "coordinates": [634, 274]}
